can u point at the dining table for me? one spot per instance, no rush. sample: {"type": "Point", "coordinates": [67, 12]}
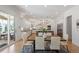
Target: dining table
{"type": "Point", "coordinates": [47, 40]}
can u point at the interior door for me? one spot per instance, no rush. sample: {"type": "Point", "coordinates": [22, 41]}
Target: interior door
{"type": "Point", "coordinates": [69, 27]}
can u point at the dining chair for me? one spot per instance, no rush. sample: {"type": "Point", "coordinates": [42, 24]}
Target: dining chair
{"type": "Point", "coordinates": [28, 47]}
{"type": "Point", "coordinates": [40, 34]}
{"type": "Point", "coordinates": [49, 34]}
{"type": "Point", "coordinates": [39, 43]}
{"type": "Point", "coordinates": [55, 43]}
{"type": "Point", "coordinates": [64, 42]}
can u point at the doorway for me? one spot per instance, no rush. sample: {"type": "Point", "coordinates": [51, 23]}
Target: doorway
{"type": "Point", "coordinates": [60, 30]}
{"type": "Point", "coordinates": [69, 27]}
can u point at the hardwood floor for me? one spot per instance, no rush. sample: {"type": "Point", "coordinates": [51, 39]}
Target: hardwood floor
{"type": "Point", "coordinates": [16, 48]}
{"type": "Point", "coordinates": [73, 48]}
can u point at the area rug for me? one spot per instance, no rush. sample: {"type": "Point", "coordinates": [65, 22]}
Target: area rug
{"type": "Point", "coordinates": [62, 50]}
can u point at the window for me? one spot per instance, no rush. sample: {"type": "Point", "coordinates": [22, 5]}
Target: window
{"type": "Point", "coordinates": [7, 34]}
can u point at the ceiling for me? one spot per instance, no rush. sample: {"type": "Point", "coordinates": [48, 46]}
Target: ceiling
{"type": "Point", "coordinates": [37, 14]}
{"type": "Point", "coordinates": [44, 11]}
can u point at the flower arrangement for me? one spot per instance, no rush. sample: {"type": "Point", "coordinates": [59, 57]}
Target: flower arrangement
{"type": "Point", "coordinates": [44, 30]}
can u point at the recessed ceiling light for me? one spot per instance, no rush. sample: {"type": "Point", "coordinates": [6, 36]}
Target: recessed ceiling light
{"type": "Point", "coordinates": [65, 5]}
{"type": "Point", "coordinates": [45, 6]}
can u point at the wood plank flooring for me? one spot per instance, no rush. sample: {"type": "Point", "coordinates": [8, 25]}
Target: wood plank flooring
{"type": "Point", "coordinates": [15, 48]}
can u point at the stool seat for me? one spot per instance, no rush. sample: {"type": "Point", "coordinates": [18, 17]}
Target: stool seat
{"type": "Point", "coordinates": [28, 47]}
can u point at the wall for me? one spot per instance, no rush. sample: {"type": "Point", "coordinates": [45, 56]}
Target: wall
{"type": "Point", "coordinates": [60, 20]}
{"type": "Point", "coordinates": [75, 15]}
{"type": "Point", "coordinates": [26, 25]}
{"type": "Point", "coordinates": [53, 25]}
{"type": "Point", "coordinates": [13, 10]}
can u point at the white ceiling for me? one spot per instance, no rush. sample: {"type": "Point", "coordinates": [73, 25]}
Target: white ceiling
{"type": "Point", "coordinates": [36, 14]}
{"type": "Point", "coordinates": [41, 11]}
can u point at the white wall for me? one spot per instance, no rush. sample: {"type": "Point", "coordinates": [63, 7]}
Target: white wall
{"type": "Point", "coordinates": [75, 15]}
{"type": "Point", "coordinates": [13, 10]}
{"type": "Point", "coordinates": [26, 25]}
{"type": "Point", "coordinates": [59, 20]}
{"type": "Point", "coordinates": [53, 25]}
